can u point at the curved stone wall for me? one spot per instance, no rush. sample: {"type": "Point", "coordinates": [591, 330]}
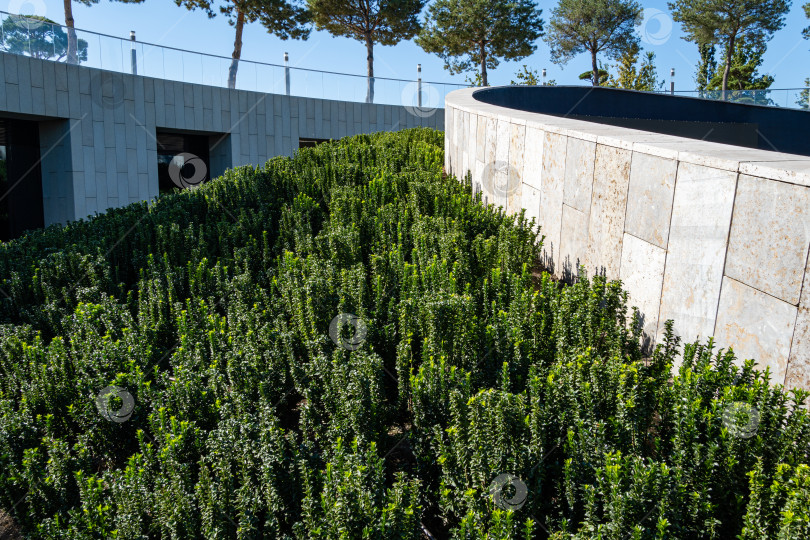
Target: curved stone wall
{"type": "Point", "coordinates": [710, 235]}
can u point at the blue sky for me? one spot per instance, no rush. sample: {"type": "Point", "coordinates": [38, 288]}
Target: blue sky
{"type": "Point", "coordinates": [162, 22]}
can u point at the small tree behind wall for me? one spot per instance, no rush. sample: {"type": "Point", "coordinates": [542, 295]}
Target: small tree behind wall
{"type": "Point", "coordinates": [474, 35]}
{"type": "Point", "coordinates": [632, 75]}
{"type": "Point", "coordinates": [707, 66]}
{"type": "Point", "coordinates": [803, 100]}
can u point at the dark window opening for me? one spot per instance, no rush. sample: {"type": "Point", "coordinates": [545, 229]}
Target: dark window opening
{"type": "Point", "coordinates": [310, 143]}
{"type": "Point", "coordinates": [21, 206]}
{"type": "Point", "coordinates": [183, 161]}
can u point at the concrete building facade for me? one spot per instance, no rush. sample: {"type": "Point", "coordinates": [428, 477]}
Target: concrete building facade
{"type": "Point", "coordinates": [99, 130]}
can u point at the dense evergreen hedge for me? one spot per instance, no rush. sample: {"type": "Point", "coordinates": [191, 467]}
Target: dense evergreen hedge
{"type": "Point", "coordinates": [212, 308]}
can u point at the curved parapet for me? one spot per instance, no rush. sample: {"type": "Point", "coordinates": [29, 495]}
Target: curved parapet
{"type": "Point", "coordinates": [714, 236]}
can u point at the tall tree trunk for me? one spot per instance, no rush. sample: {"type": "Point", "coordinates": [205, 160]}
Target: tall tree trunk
{"type": "Point", "coordinates": [483, 55]}
{"type": "Point", "coordinates": [727, 69]}
{"type": "Point", "coordinates": [72, 41]}
{"type": "Point", "coordinates": [237, 50]}
{"type": "Point", "coordinates": [594, 68]}
{"type": "Point", "coordinates": [370, 68]}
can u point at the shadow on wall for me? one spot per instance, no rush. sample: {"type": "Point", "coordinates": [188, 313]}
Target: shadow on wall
{"type": "Point", "coordinates": [751, 126]}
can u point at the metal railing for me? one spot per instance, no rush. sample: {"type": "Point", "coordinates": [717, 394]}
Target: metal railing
{"type": "Point", "coordinates": [791, 98]}
{"type": "Point", "coordinates": [36, 38]}
{"type": "Point", "coordinates": [33, 37]}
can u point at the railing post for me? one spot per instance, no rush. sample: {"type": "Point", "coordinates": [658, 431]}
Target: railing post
{"type": "Point", "coordinates": [419, 85]}
{"type": "Point", "coordinates": [134, 53]}
{"type": "Point", "coordinates": [287, 73]}
{"type": "Point", "coordinates": [672, 81]}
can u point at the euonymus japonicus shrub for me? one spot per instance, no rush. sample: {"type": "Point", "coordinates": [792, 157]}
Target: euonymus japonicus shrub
{"type": "Point", "coordinates": [347, 344]}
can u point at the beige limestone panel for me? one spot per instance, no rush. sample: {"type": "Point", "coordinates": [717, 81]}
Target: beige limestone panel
{"type": "Point", "coordinates": [649, 198]}
{"type": "Point", "coordinates": [481, 139]}
{"type": "Point", "coordinates": [472, 140]}
{"type": "Point", "coordinates": [608, 207]}
{"type": "Point", "coordinates": [756, 325]}
{"type": "Point", "coordinates": [516, 157]}
{"type": "Point", "coordinates": [626, 138]}
{"type": "Point", "coordinates": [448, 146]}
{"type": "Point", "coordinates": [504, 133]}
{"type": "Point", "coordinates": [551, 198]}
{"type": "Point", "coordinates": [459, 144]}
{"type": "Point", "coordinates": [642, 275]}
{"type": "Point", "coordinates": [478, 185]}
{"type": "Point", "coordinates": [462, 143]}
{"type": "Point", "coordinates": [465, 165]}
{"type": "Point", "coordinates": [533, 157]}
{"type": "Point", "coordinates": [531, 202]}
{"type": "Point", "coordinates": [698, 238]}
{"type": "Point", "coordinates": [492, 136]}
{"type": "Point", "coordinates": [579, 162]}
{"type": "Point", "coordinates": [573, 241]}
{"type": "Point", "coordinates": [770, 235]}
{"type": "Point", "coordinates": [448, 116]}
{"type": "Point", "coordinates": [793, 171]}
{"type": "Point", "coordinates": [495, 173]}
{"type": "Point", "coordinates": [458, 128]}
{"type": "Point", "coordinates": [449, 119]}
{"type": "Point", "coordinates": [798, 368]}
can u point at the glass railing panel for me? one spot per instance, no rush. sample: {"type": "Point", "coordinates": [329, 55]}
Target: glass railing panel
{"type": "Point", "coordinates": [30, 37]}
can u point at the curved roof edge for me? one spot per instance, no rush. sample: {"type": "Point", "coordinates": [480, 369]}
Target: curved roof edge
{"type": "Point", "coordinates": [786, 167]}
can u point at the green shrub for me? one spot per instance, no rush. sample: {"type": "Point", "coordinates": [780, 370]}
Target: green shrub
{"type": "Point", "coordinates": [255, 416]}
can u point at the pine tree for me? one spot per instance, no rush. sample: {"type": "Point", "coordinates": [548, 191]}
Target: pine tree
{"type": "Point", "coordinates": [604, 75]}
{"type": "Point", "coordinates": [806, 31]}
{"type": "Point", "coordinates": [282, 18]}
{"type": "Point", "coordinates": [474, 35]}
{"type": "Point", "coordinates": [727, 22]}
{"type": "Point", "coordinates": [707, 66]}
{"type": "Point", "coordinates": [595, 26]}
{"type": "Point", "coordinates": [72, 53]}
{"type": "Point", "coordinates": [386, 22]}
{"type": "Point", "coordinates": [742, 74]}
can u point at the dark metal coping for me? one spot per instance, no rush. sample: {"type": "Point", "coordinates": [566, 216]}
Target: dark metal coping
{"type": "Point", "coordinates": [773, 128]}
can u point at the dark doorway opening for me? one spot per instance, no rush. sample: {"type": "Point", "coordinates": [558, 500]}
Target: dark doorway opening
{"type": "Point", "coordinates": [21, 206]}
{"type": "Point", "coordinates": [183, 161]}
{"type": "Point", "coordinates": [310, 142]}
